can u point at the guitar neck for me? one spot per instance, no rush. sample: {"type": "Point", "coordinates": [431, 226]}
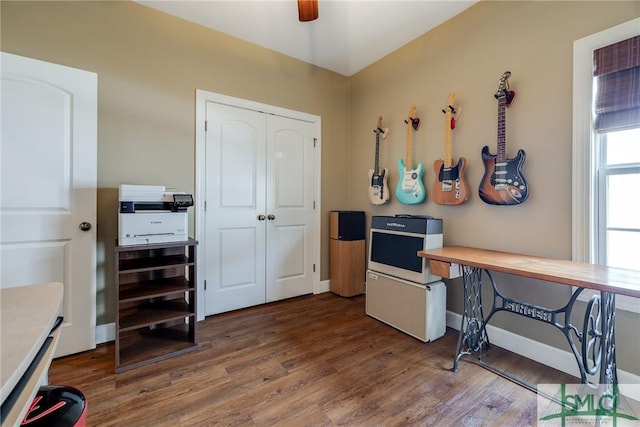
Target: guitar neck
{"type": "Point", "coordinates": [502, 143]}
{"type": "Point", "coordinates": [448, 161]}
{"type": "Point", "coordinates": [408, 159]}
{"type": "Point", "coordinates": [376, 169]}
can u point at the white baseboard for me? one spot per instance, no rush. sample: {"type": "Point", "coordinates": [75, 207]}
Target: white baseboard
{"type": "Point", "coordinates": [556, 358]}
{"type": "Point", "coordinates": [324, 287]}
{"type": "Point", "coordinates": [105, 333]}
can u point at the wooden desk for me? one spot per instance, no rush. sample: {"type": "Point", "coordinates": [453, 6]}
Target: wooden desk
{"type": "Point", "coordinates": [598, 328]}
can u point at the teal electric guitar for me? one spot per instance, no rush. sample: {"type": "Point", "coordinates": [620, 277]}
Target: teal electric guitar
{"type": "Point", "coordinates": [410, 189]}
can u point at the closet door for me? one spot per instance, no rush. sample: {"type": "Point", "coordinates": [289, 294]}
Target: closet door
{"type": "Point", "coordinates": [259, 208]}
{"type": "Point", "coordinates": [236, 201]}
{"type": "Point", "coordinates": [290, 210]}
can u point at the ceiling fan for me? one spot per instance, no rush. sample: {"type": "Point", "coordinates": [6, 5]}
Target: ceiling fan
{"type": "Point", "coordinates": [307, 10]}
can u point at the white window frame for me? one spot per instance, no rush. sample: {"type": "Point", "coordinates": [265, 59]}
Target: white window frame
{"type": "Point", "coordinates": [584, 151]}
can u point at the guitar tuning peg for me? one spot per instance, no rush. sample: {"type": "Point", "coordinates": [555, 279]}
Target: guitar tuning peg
{"type": "Point", "coordinates": [443, 111]}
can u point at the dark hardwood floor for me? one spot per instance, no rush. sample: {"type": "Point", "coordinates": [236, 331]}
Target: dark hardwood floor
{"type": "Point", "coordinates": [315, 360]}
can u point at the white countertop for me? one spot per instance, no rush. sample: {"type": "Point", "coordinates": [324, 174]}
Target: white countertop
{"type": "Point", "coordinates": [27, 314]}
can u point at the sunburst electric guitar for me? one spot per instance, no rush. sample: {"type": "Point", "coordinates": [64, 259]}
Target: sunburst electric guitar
{"type": "Point", "coordinates": [449, 188]}
{"type": "Point", "coordinates": [378, 189]}
{"type": "Point", "coordinates": [410, 189]}
{"type": "Point", "coordinates": [503, 182]}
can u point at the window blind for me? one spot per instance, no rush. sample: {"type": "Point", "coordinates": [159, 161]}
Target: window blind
{"type": "Point", "coordinates": [616, 69]}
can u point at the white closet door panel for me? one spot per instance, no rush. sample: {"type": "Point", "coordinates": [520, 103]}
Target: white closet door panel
{"type": "Point", "coordinates": [289, 169]}
{"type": "Point", "coordinates": [235, 195]}
{"type": "Point", "coordinates": [290, 201]}
{"type": "Point", "coordinates": [238, 165]}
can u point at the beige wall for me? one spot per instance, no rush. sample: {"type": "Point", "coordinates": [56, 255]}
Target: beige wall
{"type": "Point", "coordinates": [468, 54]}
{"type": "Point", "coordinates": [150, 64]}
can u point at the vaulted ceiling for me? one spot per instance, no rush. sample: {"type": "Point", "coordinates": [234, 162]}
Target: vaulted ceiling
{"type": "Point", "coordinates": [348, 36]}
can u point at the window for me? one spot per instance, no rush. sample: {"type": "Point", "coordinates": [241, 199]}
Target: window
{"type": "Point", "coordinates": [617, 241]}
{"type": "Point", "coordinates": [606, 167]}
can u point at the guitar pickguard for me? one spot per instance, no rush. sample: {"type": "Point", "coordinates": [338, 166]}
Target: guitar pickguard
{"type": "Point", "coordinates": [410, 189]}
{"type": "Point", "coordinates": [450, 187]}
{"type": "Point", "coordinates": [503, 182]}
{"type": "Point", "coordinates": [378, 189]}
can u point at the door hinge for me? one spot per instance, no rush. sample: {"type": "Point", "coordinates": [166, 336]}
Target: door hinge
{"type": "Point", "coordinates": [314, 268]}
{"type": "Point", "coordinates": [205, 285]}
{"type": "Point", "coordinates": [205, 205]}
{"type": "Point", "coordinates": [315, 140]}
{"type": "Point", "coordinates": [314, 204]}
{"type": "Point", "coordinates": [206, 123]}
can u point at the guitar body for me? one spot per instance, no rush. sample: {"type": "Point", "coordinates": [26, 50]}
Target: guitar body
{"type": "Point", "coordinates": [378, 188]}
{"type": "Point", "coordinates": [503, 183]}
{"type": "Point", "coordinates": [410, 190]}
{"type": "Point", "coordinates": [449, 187]}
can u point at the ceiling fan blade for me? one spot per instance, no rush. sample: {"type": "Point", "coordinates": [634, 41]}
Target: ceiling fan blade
{"type": "Point", "coordinates": [307, 10]}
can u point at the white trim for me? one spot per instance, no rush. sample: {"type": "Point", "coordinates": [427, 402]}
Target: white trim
{"type": "Point", "coordinates": [324, 286]}
{"type": "Point", "coordinates": [542, 353]}
{"type": "Point", "coordinates": [105, 333]}
{"type": "Point", "coordinates": [583, 203]}
{"type": "Point", "coordinates": [202, 97]}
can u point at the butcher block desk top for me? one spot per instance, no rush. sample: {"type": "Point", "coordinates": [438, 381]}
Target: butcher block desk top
{"type": "Point", "coordinates": [27, 315]}
{"type": "Point", "coordinates": [590, 276]}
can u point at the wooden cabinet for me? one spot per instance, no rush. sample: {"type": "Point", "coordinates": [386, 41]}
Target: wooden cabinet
{"type": "Point", "coordinates": [347, 267]}
{"type": "Point", "coordinates": [156, 302]}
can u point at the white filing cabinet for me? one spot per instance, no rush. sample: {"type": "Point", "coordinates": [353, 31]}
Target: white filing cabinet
{"type": "Point", "coordinates": [416, 309]}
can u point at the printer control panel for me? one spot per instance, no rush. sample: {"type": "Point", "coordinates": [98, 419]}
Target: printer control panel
{"type": "Point", "coordinates": [182, 201]}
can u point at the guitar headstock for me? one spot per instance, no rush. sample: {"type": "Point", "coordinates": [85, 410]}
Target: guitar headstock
{"type": "Point", "coordinates": [503, 88]}
{"type": "Point", "coordinates": [415, 122]}
{"type": "Point", "coordinates": [379, 130]}
{"type": "Point", "coordinates": [451, 112]}
{"type": "Point", "coordinates": [452, 97]}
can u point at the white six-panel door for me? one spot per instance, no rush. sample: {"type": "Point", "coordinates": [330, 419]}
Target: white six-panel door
{"type": "Point", "coordinates": [259, 208]}
{"type": "Point", "coordinates": [48, 176]}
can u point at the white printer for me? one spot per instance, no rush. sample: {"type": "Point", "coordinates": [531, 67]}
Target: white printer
{"type": "Point", "coordinates": [151, 214]}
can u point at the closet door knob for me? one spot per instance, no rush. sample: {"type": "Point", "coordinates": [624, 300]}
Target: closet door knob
{"type": "Point", "coordinates": [261, 217]}
{"type": "Point", "coordinates": [271, 217]}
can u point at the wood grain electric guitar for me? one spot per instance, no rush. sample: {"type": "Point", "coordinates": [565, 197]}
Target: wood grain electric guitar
{"type": "Point", "coordinates": [410, 189]}
{"type": "Point", "coordinates": [449, 187]}
{"type": "Point", "coordinates": [378, 188]}
{"type": "Point", "coordinates": [503, 182]}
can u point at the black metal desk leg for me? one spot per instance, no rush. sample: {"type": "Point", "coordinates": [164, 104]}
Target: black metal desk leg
{"type": "Point", "coordinates": [473, 336]}
{"type": "Point", "coordinates": [608, 370]}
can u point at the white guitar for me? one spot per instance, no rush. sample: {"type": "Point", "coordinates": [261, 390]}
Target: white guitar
{"type": "Point", "coordinates": [378, 189]}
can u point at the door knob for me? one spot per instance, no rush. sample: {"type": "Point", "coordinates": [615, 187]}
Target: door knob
{"type": "Point", "coordinates": [271, 217]}
{"type": "Point", "coordinates": [261, 217]}
{"type": "Point", "coordinates": [85, 226]}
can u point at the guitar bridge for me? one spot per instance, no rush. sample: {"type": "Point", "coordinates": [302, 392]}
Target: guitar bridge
{"type": "Point", "coordinates": [447, 185]}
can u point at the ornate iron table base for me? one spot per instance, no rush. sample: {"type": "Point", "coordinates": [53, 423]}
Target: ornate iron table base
{"type": "Point", "coordinates": [593, 346]}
